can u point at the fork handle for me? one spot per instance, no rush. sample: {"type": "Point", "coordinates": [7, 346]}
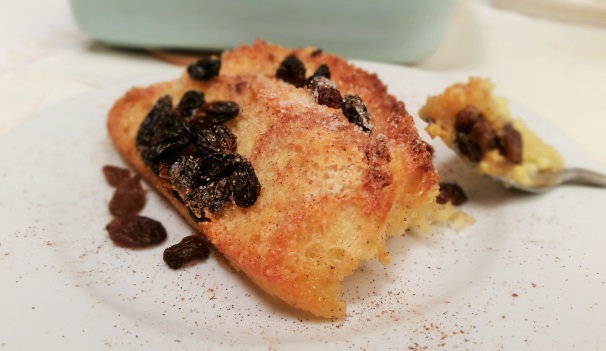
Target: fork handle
{"type": "Point", "coordinates": [583, 176]}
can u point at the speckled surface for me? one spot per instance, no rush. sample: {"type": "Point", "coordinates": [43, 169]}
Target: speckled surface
{"type": "Point", "coordinates": [530, 274]}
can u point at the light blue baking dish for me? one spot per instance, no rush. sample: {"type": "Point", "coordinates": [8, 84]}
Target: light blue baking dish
{"type": "Point", "coordinates": [402, 31]}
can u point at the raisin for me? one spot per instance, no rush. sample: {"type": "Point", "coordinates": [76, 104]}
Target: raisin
{"type": "Point", "coordinates": [292, 71]}
{"type": "Point", "coordinates": [128, 199]}
{"type": "Point", "coordinates": [153, 156]}
{"type": "Point", "coordinates": [148, 133]}
{"type": "Point", "coordinates": [322, 71]}
{"type": "Point", "coordinates": [184, 175]}
{"type": "Point", "coordinates": [474, 134]}
{"type": "Point", "coordinates": [161, 134]}
{"type": "Point", "coordinates": [356, 112]}
{"type": "Point", "coordinates": [197, 170]}
{"type": "Point", "coordinates": [466, 118]}
{"type": "Point", "coordinates": [136, 231]}
{"type": "Point", "coordinates": [511, 144]}
{"type": "Point", "coordinates": [205, 68]}
{"type": "Point", "coordinates": [189, 248]}
{"type": "Point", "coordinates": [481, 134]}
{"type": "Point", "coordinates": [316, 52]}
{"type": "Point", "coordinates": [115, 175]}
{"type": "Point", "coordinates": [217, 165]}
{"type": "Point", "coordinates": [216, 112]}
{"type": "Point", "coordinates": [246, 186]}
{"type": "Point", "coordinates": [213, 196]}
{"type": "Point", "coordinates": [190, 101]}
{"type": "Point", "coordinates": [468, 148]}
{"type": "Point", "coordinates": [216, 138]}
{"type": "Point", "coordinates": [451, 192]}
{"type": "Point", "coordinates": [325, 91]}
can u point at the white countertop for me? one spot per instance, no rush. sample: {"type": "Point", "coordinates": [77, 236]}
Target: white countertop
{"type": "Point", "coordinates": [556, 69]}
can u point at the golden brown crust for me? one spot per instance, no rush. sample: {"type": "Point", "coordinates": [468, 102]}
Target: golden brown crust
{"type": "Point", "coordinates": [331, 194]}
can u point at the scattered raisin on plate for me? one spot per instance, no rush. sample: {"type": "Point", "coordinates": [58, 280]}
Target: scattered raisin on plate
{"type": "Point", "coordinates": [115, 175]}
{"type": "Point", "coordinates": [128, 198]}
{"type": "Point", "coordinates": [136, 231]}
{"type": "Point", "coordinates": [189, 248]}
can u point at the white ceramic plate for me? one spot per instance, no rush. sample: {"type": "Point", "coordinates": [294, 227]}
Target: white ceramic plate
{"type": "Point", "coordinates": [530, 274]}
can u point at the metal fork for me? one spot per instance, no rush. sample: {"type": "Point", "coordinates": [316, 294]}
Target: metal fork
{"type": "Point", "coordinates": [553, 179]}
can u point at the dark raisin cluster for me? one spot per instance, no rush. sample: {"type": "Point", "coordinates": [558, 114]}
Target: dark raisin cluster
{"type": "Point", "coordinates": [190, 147]}
{"type": "Point", "coordinates": [162, 134]}
{"type": "Point", "coordinates": [324, 90]}
{"type": "Point", "coordinates": [475, 136]}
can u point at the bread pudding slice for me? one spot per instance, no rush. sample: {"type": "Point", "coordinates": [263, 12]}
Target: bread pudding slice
{"type": "Point", "coordinates": [329, 191]}
{"type": "Point", "coordinates": [478, 125]}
